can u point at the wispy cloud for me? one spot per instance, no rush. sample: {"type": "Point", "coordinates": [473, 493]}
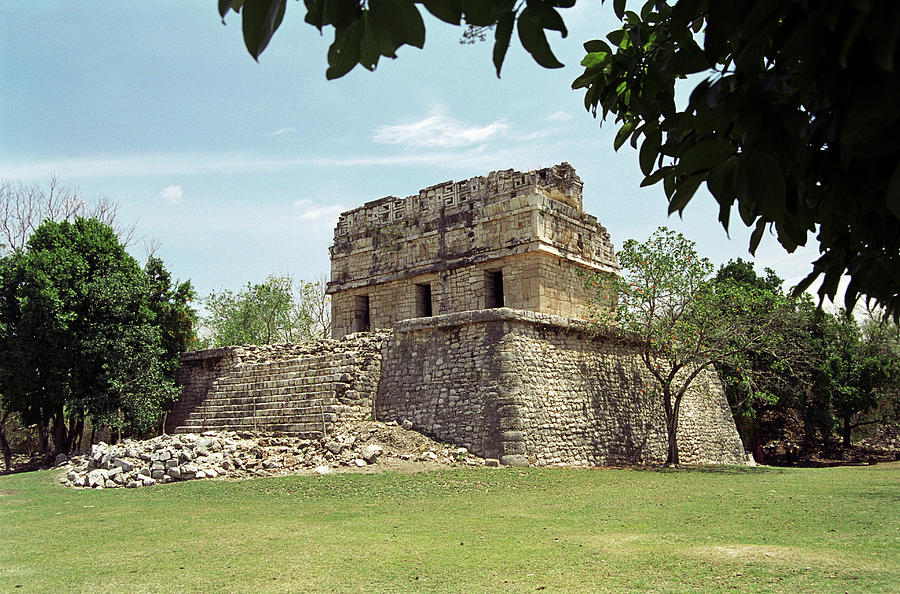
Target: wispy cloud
{"type": "Point", "coordinates": [280, 131]}
{"type": "Point", "coordinates": [559, 116]}
{"type": "Point", "coordinates": [521, 151]}
{"type": "Point", "coordinates": [318, 215]}
{"type": "Point", "coordinates": [172, 194]}
{"type": "Point", "coordinates": [438, 131]}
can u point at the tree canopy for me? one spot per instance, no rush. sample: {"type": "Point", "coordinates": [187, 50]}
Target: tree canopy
{"type": "Point", "coordinates": [794, 116]}
{"type": "Point", "coordinates": [78, 334]}
{"type": "Point", "coordinates": [268, 312]}
{"type": "Point", "coordinates": [680, 320]}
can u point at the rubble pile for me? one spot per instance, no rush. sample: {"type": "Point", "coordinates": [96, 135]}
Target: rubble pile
{"type": "Point", "coordinates": [215, 454]}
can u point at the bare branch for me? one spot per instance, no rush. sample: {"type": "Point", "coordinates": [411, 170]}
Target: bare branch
{"type": "Point", "coordinates": [24, 207]}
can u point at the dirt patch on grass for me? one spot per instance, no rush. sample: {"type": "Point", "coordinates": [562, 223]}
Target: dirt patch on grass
{"type": "Point", "coordinates": [9, 492]}
{"type": "Point", "coordinates": [782, 557]}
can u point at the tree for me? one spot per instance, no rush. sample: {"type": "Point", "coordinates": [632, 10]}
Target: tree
{"type": "Point", "coordinates": [268, 312]}
{"type": "Point", "coordinates": [757, 381]}
{"type": "Point", "coordinates": [314, 305]}
{"type": "Point", "coordinates": [174, 316]}
{"type": "Point", "coordinates": [77, 335]}
{"type": "Point", "coordinates": [680, 321]}
{"type": "Point", "coordinates": [794, 115]}
{"type": "Point", "coordinates": [857, 370]}
{"type": "Point", "coordinates": [23, 208]}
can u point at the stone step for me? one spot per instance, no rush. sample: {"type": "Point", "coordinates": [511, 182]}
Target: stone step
{"type": "Point", "coordinates": [272, 380]}
{"type": "Point", "coordinates": [281, 390]}
{"type": "Point", "coordinates": [250, 404]}
{"type": "Point", "coordinates": [301, 369]}
{"type": "Point", "coordinates": [312, 392]}
{"type": "Point", "coordinates": [299, 429]}
{"type": "Point", "coordinates": [293, 399]}
{"type": "Point", "coordinates": [309, 424]}
{"type": "Point", "coordinates": [227, 415]}
{"type": "Point", "coordinates": [259, 412]}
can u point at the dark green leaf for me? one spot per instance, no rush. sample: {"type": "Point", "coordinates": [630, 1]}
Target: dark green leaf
{"type": "Point", "coordinates": [766, 185]}
{"type": "Point", "coordinates": [594, 59]}
{"type": "Point", "coordinates": [623, 134]}
{"type": "Point", "coordinates": [369, 48]}
{"type": "Point", "coordinates": [683, 193]}
{"type": "Point", "coordinates": [340, 13]}
{"type": "Point", "coordinates": [315, 13]}
{"type": "Point", "coordinates": [396, 23]}
{"type": "Point", "coordinates": [535, 41]}
{"type": "Point", "coordinates": [410, 28]}
{"type": "Point", "coordinates": [547, 18]}
{"type": "Point", "coordinates": [669, 185]}
{"type": "Point", "coordinates": [724, 212]}
{"type": "Point", "coordinates": [449, 11]}
{"type": "Point", "coordinates": [483, 14]}
{"type": "Point", "coordinates": [619, 8]}
{"type": "Point", "coordinates": [616, 37]}
{"type": "Point", "coordinates": [650, 150]}
{"type": "Point", "coordinates": [705, 155]}
{"type": "Point", "coordinates": [689, 59]}
{"type": "Point", "coordinates": [501, 40]}
{"type": "Point", "coordinates": [597, 45]}
{"type": "Point", "coordinates": [344, 52]}
{"type": "Point", "coordinates": [656, 176]}
{"type": "Point", "coordinates": [226, 5]}
{"type": "Point", "coordinates": [756, 236]}
{"type": "Point", "coordinates": [261, 19]}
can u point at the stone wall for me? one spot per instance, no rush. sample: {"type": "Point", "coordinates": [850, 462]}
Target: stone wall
{"type": "Point", "coordinates": [521, 386]}
{"type": "Point", "coordinates": [528, 226]}
{"type": "Point", "coordinates": [589, 403]}
{"type": "Point", "coordinates": [534, 281]}
{"type": "Point", "coordinates": [527, 388]}
{"type": "Point", "coordinates": [441, 374]}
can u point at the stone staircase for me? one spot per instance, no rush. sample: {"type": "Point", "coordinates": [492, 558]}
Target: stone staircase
{"type": "Point", "coordinates": [294, 396]}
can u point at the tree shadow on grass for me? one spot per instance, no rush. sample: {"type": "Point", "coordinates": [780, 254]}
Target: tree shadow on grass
{"type": "Point", "coordinates": [714, 469]}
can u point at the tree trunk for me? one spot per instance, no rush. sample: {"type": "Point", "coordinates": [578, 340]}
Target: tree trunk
{"type": "Point", "coordinates": [71, 433]}
{"type": "Point", "coordinates": [671, 427]}
{"type": "Point", "coordinates": [847, 431]}
{"type": "Point", "coordinates": [672, 456]}
{"type": "Point", "coordinates": [4, 445]}
{"type": "Point", "coordinates": [43, 437]}
{"type": "Point", "coordinates": [59, 431]}
{"type": "Point", "coordinates": [79, 433]}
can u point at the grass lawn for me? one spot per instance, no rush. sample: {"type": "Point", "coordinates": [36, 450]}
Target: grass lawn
{"type": "Point", "coordinates": [832, 529]}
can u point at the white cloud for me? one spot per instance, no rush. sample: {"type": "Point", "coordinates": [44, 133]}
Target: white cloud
{"type": "Point", "coordinates": [524, 151]}
{"type": "Point", "coordinates": [560, 116]}
{"type": "Point", "coordinates": [438, 131]}
{"type": "Point", "coordinates": [280, 131]}
{"type": "Point", "coordinates": [173, 194]}
{"type": "Point", "coordinates": [319, 216]}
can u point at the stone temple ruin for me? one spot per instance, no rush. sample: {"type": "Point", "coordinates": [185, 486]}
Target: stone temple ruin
{"type": "Point", "coordinates": [456, 312]}
{"type": "Point", "coordinates": [508, 239]}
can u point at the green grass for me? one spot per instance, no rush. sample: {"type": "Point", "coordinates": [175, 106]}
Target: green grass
{"type": "Point", "coordinates": [833, 529]}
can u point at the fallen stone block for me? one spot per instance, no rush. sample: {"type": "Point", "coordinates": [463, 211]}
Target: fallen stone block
{"type": "Point", "coordinates": [371, 452]}
{"type": "Point", "coordinates": [125, 465]}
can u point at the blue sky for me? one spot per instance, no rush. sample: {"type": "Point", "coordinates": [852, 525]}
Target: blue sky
{"type": "Point", "coordinates": [239, 169]}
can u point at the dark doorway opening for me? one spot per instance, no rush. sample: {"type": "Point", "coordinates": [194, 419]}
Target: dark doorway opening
{"type": "Point", "coordinates": [360, 321]}
{"type": "Point", "coordinates": [493, 285]}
